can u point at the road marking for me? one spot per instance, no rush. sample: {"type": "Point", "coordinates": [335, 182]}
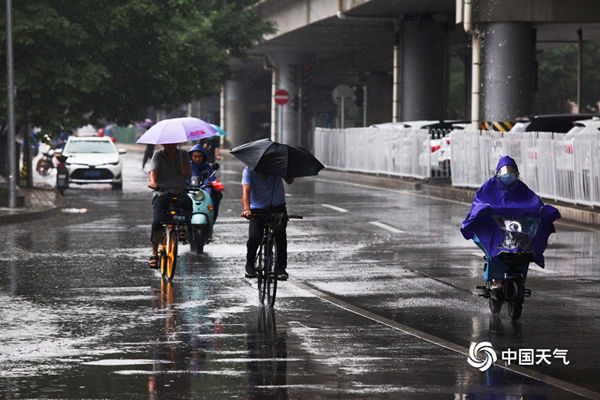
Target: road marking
{"type": "Point", "coordinates": [558, 383]}
{"type": "Point", "coordinates": [531, 266]}
{"type": "Point", "coordinates": [340, 209]}
{"type": "Point", "coordinates": [384, 226]}
{"type": "Point", "coordinates": [408, 192]}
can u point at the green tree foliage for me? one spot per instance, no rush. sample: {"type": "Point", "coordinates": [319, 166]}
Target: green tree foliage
{"type": "Point", "coordinates": [557, 78]}
{"type": "Point", "coordinates": [80, 61]}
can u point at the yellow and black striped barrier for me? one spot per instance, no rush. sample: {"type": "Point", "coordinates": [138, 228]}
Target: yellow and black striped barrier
{"type": "Point", "coordinates": [501, 126]}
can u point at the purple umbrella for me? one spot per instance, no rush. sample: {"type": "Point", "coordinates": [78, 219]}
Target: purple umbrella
{"type": "Point", "coordinates": [177, 130]}
{"type": "Point", "coordinates": [147, 123]}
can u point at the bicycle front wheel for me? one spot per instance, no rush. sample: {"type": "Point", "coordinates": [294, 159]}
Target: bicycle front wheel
{"type": "Point", "coordinates": [260, 272]}
{"type": "Point", "coordinates": [171, 253]}
{"type": "Point", "coordinates": [162, 259]}
{"type": "Point", "coordinates": [271, 285]}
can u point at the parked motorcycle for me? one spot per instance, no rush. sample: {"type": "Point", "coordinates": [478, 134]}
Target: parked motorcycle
{"type": "Point", "coordinates": [62, 174]}
{"type": "Point", "coordinates": [200, 228]}
{"type": "Point", "coordinates": [45, 164]}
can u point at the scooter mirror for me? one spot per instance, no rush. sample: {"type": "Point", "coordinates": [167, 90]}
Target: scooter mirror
{"type": "Point", "coordinates": [216, 166]}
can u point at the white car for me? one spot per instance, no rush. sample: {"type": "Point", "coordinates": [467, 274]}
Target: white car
{"type": "Point", "coordinates": [94, 160]}
{"type": "Point", "coordinates": [584, 126]}
{"type": "Point", "coordinates": [444, 154]}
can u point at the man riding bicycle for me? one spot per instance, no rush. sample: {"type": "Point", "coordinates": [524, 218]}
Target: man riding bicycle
{"type": "Point", "coordinates": [169, 171]}
{"type": "Point", "coordinates": [263, 194]}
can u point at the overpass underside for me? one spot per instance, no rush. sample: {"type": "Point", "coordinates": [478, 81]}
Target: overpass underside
{"type": "Point", "coordinates": [396, 56]}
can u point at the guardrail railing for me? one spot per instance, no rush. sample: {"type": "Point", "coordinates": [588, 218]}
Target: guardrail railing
{"type": "Point", "coordinates": [554, 165]}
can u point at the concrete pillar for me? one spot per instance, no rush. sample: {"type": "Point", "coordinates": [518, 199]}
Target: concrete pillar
{"type": "Point", "coordinates": [286, 65]}
{"type": "Point", "coordinates": [508, 71]}
{"type": "Point", "coordinates": [424, 66]}
{"type": "Point", "coordinates": [237, 111]}
{"type": "Point", "coordinates": [379, 97]}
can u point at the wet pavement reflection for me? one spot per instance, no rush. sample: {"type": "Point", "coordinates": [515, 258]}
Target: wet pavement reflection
{"type": "Point", "coordinates": [82, 316]}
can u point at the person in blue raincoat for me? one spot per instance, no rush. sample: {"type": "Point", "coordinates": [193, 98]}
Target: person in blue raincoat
{"type": "Point", "coordinates": [202, 168]}
{"type": "Point", "coordinates": [506, 195]}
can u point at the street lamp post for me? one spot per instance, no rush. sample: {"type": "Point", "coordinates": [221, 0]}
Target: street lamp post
{"type": "Point", "coordinates": [10, 140]}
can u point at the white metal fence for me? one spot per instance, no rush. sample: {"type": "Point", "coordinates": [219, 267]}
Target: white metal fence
{"type": "Point", "coordinates": [393, 151]}
{"type": "Point", "coordinates": [555, 166]}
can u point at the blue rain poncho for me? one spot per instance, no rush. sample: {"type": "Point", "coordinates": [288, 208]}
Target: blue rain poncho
{"type": "Point", "coordinates": [494, 198]}
{"type": "Point", "coordinates": [204, 170]}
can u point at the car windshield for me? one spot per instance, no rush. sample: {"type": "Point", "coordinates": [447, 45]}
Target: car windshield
{"type": "Point", "coordinates": [90, 146]}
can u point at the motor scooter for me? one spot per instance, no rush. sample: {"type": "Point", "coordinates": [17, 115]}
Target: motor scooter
{"type": "Point", "coordinates": [62, 174]}
{"type": "Point", "coordinates": [45, 164]}
{"type": "Point", "coordinates": [511, 265]}
{"type": "Point", "coordinates": [200, 228]}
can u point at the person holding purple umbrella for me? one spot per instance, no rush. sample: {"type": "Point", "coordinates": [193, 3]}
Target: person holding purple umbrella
{"type": "Point", "coordinates": [169, 172]}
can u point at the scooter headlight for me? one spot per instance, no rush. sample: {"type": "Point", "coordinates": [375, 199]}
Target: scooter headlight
{"type": "Point", "coordinates": [198, 195]}
{"type": "Point", "coordinates": [513, 226]}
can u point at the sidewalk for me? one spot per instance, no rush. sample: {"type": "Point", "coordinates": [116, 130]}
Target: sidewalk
{"type": "Point", "coordinates": [38, 203]}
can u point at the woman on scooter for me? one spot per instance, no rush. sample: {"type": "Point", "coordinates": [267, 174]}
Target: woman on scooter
{"type": "Point", "coordinates": [201, 168]}
{"type": "Point", "coordinates": [505, 195]}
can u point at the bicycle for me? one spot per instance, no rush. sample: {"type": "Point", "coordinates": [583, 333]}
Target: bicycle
{"type": "Point", "coordinates": [172, 223]}
{"type": "Point", "coordinates": [267, 281]}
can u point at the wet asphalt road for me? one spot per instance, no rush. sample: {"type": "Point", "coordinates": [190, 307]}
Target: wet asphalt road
{"type": "Point", "coordinates": [381, 304]}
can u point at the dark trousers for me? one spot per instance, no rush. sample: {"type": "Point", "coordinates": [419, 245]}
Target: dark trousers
{"type": "Point", "coordinates": [255, 231]}
{"type": "Point", "coordinates": [160, 204]}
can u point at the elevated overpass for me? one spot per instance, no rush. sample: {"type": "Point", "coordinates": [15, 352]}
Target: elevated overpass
{"type": "Point", "coordinates": [396, 56]}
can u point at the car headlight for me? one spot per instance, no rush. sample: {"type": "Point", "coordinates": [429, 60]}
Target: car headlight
{"type": "Point", "coordinates": [198, 195]}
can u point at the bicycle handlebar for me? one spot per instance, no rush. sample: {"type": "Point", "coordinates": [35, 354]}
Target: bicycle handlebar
{"type": "Point", "coordinates": [291, 216]}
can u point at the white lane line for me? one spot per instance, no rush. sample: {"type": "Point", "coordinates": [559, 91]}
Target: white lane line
{"type": "Point", "coordinates": [558, 383]}
{"type": "Point", "coordinates": [387, 227]}
{"type": "Point", "coordinates": [531, 266]}
{"type": "Point", "coordinates": [340, 209]}
{"type": "Point", "coordinates": [408, 192]}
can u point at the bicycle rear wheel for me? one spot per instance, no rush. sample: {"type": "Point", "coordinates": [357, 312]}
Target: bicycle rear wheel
{"type": "Point", "coordinates": [171, 254]}
{"type": "Point", "coordinates": [261, 277]}
{"type": "Point", "coordinates": [271, 285]}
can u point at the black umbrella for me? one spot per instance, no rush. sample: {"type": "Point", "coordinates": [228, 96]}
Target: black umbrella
{"type": "Point", "coordinates": [277, 159]}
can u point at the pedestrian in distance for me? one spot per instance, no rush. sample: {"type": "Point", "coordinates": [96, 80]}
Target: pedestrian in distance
{"type": "Point", "coordinates": [148, 152]}
{"type": "Point", "coordinates": [169, 171]}
{"type": "Point", "coordinates": [263, 194]}
{"type": "Point", "coordinates": [212, 147]}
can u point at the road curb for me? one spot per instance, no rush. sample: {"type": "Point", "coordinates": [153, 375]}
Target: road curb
{"type": "Point", "coordinates": [27, 214]}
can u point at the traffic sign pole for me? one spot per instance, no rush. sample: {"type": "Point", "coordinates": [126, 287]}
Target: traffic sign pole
{"type": "Point", "coordinates": [282, 97]}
